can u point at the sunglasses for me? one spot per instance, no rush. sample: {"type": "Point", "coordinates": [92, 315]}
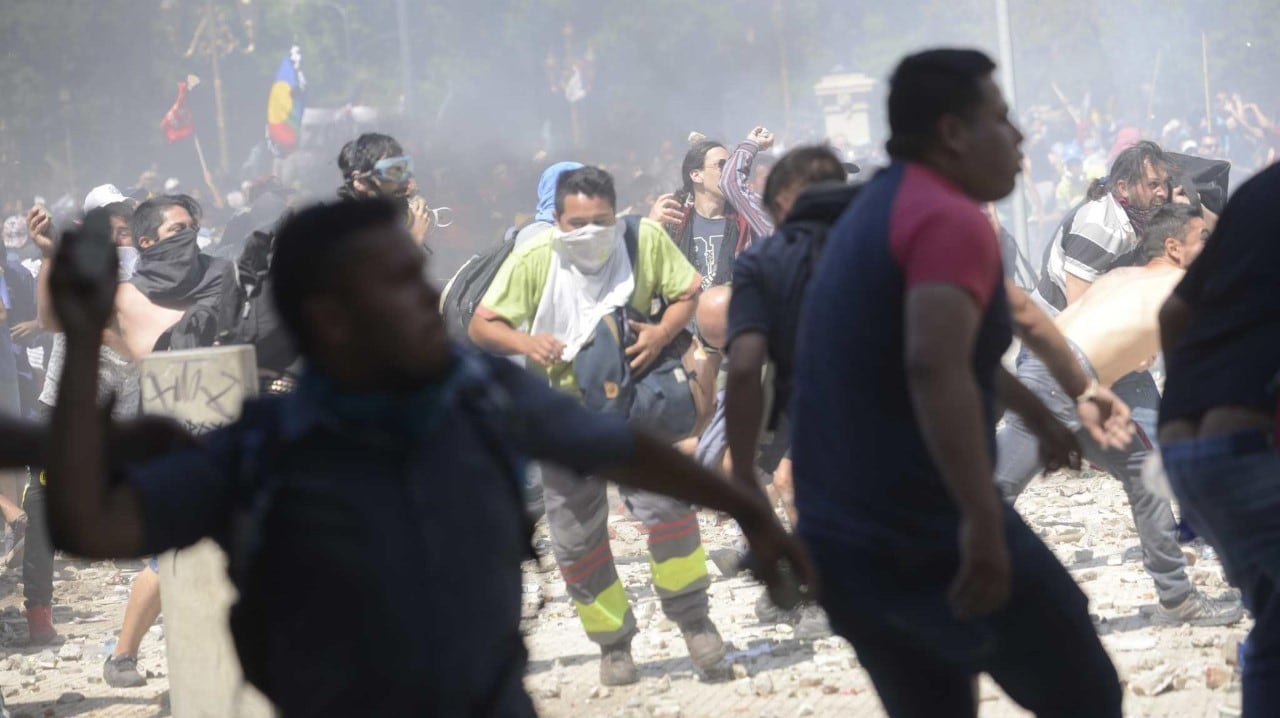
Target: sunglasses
{"type": "Point", "coordinates": [394, 169]}
{"type": "Point", "coordinates": [719, 165]}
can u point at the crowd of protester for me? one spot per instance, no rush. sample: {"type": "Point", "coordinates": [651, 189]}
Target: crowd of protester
{"type": "Point", "coordinates": [879, 311]}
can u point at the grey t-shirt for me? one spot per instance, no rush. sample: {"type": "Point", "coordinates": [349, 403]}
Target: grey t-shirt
{"type": "Point", "coordinates": [116, 375]}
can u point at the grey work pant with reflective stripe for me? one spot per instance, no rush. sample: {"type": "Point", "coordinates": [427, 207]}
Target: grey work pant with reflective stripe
{"type": "Point", "coordinates": [578, 519]}
{"type": "Point", "coordinates": [1018, 461]}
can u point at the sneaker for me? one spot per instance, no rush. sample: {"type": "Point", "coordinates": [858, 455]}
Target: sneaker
{"type": "Point", "coordinates": [122, 672]}
{"type": "Point", "coordinates": [617, 667]}
{"type": "Point", "coordinates": [1199, 610]}
{"type": "Point", "coordinates": [40, 625]}
{"type": "Point", "coordinates": [706, 647]}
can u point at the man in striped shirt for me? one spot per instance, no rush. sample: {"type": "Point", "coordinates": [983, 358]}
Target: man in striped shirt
{"type": "Point", "coordinates": [1105, 231]}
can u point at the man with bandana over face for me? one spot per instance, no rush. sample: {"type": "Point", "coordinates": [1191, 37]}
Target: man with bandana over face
{"type": "Point", "coordinates": [173, 291]}
{"type": "Point", "coordinates": [172, 282]}
{"type": "Point", "coordinates": [559, 286]}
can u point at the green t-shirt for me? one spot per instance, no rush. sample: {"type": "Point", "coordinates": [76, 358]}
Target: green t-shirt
{"type": "Point", "coordinates": [661, 271]}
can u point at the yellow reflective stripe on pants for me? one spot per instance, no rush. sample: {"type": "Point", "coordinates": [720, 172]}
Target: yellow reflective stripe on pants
{"type": "Point", "coordinates": [607, 613]}
{"type": "Point", "coordinates": [676, 574]}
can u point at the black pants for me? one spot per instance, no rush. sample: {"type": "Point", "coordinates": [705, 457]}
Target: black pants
{"type": "Point", "coordinates": [37, 561]}
{"type": "Point", "coordinates": [1041, 647]}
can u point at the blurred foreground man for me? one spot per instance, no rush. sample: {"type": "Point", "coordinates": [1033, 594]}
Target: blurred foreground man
{"type": "Point", "coordinates": [393, 474]}
{"type": "Point", "coordinates": [924, 569]}
{"type": "Point", "coordinates": [1221, 338]}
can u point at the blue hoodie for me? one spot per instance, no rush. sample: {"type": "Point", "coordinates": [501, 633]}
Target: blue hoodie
{"type": "Point", "coordinates": [547, 190]}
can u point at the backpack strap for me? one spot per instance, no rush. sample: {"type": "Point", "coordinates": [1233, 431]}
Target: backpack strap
{"type": "Point", "coordinates": [631, 238]}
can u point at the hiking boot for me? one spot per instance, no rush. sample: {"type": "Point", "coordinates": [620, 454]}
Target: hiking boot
{"type": "Point", "coordinates": [122, 672]}
{"type": "Point", "coordinates": [1199, 610]}
{"type": "Point", "coordinates": [727, 561]}
{"type": "Point", "coordinates": [617, 668]}
{"type": "Point", "coordinates": [40, 625]}
{"type": "Point", "coordinates": [706, 647]}
{"type": "Point", "coordinates": [769, 614]}
{"type": "Point", "coordinates": [813, 624]}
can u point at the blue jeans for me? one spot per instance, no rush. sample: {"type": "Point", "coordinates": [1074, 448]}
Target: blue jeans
{"type": "Point", "coordinates": [1041, 647]}
{"type": "Point", "coordinates": [1229, 490]}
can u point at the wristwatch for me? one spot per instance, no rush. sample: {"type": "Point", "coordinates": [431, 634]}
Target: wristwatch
{"type": "Point", "coordinates": [1089, 392]}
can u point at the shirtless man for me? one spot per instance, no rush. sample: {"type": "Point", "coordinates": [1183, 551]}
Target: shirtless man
{"type": "Point", "coordinates": [172, 276]}
{"type": "Point", "coordinates": [1114, 330]}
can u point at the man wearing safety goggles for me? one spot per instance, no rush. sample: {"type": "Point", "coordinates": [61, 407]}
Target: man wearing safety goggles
{"type": "Point", "coordinates": [375, 165]}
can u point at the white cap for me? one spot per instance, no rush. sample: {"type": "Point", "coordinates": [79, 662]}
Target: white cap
{"type": "Point", "coordinates": [103, 195]}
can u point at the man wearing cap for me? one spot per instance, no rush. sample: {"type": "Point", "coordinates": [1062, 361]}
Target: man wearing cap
{"type": "Point", "coordinates": [118, 377]}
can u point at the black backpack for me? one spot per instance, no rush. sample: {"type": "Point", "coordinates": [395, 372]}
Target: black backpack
{"type": "Point", "coordinates": [463, 292]}
{"type": "Point", "coordinates": [461, 296]}
{"type": "Point", "coordinates": [246, 313]}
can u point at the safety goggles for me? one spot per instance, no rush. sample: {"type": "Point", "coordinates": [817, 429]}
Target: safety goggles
{"type": "Point", "coordinates": [393, 169]}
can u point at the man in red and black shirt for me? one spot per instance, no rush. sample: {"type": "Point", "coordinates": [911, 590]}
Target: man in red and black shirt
{"type": "Point", "coordinates": [924, 569]}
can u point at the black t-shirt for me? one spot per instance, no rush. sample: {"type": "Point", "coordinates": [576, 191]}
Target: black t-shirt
{"type": "Point", "coordinates": [712, 250]}
{"type": "Point", "coordinates": [770, 278]}
{"type": "Point", "coordinates": [1230, 351]}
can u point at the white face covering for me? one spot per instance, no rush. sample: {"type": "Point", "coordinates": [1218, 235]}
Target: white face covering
{"type": "Point", "coordinates": [588, 248]}
{"type": "Point", "coordinates": [128, 262]}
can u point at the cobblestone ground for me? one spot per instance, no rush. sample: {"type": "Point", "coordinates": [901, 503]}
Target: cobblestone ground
{"type": "Point", "coordinates": [1168, 671]}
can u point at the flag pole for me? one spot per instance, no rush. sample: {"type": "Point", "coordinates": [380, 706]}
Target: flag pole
{"type": "Point", "coordinates": [204, 167]}
{"type": "Point", "coordinates": [1004, 37]}
{"type": "Point", "coordinates": [1204, 58]}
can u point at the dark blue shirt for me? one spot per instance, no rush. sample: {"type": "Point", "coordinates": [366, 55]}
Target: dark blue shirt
{"type": "Point", "coordinates": [1229, 352]}
{"type": "Point", "coordinates": [770, 279]}
{"type": "Point", "coordinates": [393, 555]}
{"type": "Point", "coordinates": [862, 471]}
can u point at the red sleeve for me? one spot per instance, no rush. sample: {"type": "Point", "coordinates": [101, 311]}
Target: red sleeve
{"type": "Point", "coordinates": [953, 244]}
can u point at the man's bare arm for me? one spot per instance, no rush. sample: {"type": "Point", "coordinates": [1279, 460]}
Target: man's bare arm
{"type": "Point", "coordinates": [1076, 287]}
{"type": "Point", "coordinates": [1174, 316]}
{"type": "Point", "coordinates": [1041, 336]}
{"type": "Point", "coordinates": [744, 404]}
{"type": "Point", "coordinates": [940, 333]}
{"type": "Point", "coordinates": [87, 514]}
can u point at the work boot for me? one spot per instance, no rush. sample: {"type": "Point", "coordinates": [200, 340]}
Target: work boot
{"type": "Point", "coordinates": [122, 672]}
{"type": "Point", "coordinates": [706, 647]}
{"type": "Point", "coordinates": [770, 615]}
{"type": "Point", "coordinates": [813, 623]}
{"type": "Point", "coordinates": [40, 625]}
{"type": "Point", "coordinates": [1199, 610]}
{"type": "Point", "coordinates": [617, 668]}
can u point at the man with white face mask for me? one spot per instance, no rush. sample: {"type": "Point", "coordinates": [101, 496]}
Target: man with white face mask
{"type": "Point", "coordinates": [558, 287]}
